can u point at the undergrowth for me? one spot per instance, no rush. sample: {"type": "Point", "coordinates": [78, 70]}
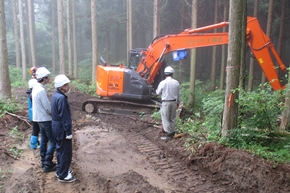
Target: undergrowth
{"type": "Point", "coordinates": [257, 131]}
{"type": "Point", "coordinates": [8, 105]}
{"type": "Point", "coordinates": [84, 87]}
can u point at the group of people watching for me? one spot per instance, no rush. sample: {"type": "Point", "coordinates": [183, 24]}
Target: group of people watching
{"type": "Point", "coordinates": [52, 120]}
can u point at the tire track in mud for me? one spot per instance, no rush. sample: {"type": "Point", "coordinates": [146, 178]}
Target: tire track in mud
{"type": "Point", "coordinates": [176, 172]}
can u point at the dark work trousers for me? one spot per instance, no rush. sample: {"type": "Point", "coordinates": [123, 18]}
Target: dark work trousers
{"type": "Point", "coordinates": [63, 156]}
{"type": "Point", "coordinates": [35, 128]}
{"type": "Point", "coordinates": [47, 139]}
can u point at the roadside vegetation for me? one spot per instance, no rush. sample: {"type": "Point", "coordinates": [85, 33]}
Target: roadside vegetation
{"type": "Point", "coordinates": [258, 122]}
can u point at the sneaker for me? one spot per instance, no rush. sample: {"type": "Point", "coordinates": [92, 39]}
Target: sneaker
{"type": "Point", "coordinates": [70, 171]}
{"type": "Point", "coordinates": [69, 178]}
{"type": "Point", "coordinates": [47, 169]}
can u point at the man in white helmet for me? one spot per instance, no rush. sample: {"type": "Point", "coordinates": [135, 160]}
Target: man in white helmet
{"type": "Point", "coordinates": [170, 95]}
{"type": "Point", "coordinates": [41, 113]}
{"type": "Point", "coordinates": [62, 128]}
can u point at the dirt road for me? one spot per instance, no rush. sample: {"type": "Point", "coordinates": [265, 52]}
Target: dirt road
{"type": "Point", "coordinates": [120, 154]}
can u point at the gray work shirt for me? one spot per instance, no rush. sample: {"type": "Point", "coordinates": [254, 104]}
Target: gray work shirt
{"type": "Point", "coordinates": [169, 88]}
{"type": "Point", "coordinates": [41, 109]}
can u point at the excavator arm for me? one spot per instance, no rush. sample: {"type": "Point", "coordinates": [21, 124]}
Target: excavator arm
{"type": "Point", "coordinates": [261, 46]}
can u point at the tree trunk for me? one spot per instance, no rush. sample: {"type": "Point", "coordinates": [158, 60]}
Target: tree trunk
{"type": "Point", "coordinates": [53, 36]}
{"type": "Point", "coordinates": [280, 39]}
{"type": "Point", "coordinates": [94, 40]}
{"type": "Point", "coordinates": [61, 37]}
{"type": "Point", "coordinates": [155, 18]}
{"type": "Point", "coordinates": [32, 31]}
{"type": "Point", "coordinates": [181, 62]}
{"type": "Point", "coordinates": [268, 32]}
{"type": "Point", "coordinates": [236, 20]}
{"type": "Point", "coordinates": [224, 51]}
{"type": "Point", "coordinates": [129, 25]}
{"type": "Point", "coordinates": [68, 37]}
{"type": "Point", "coordinates": [243, 49]}
{"type": "Point", "coordinates": [193, 54]}
{"type": "Point", "coordinates": [252, 59]}
{"type": "Point", "coordinates": [27, 28]}
{"type": "Point", "coordinates": [5, 87]}
{"type": "Point", "coordinates": [16, 34]}
{"type": "Point", "coordinates": [286, 112]}
{"type": "Point", "coordinates": [74, 39]}
{"type": "Point", "coordinates": [22, 41]}
{"type": "Point", "coordinates": [214, 51]}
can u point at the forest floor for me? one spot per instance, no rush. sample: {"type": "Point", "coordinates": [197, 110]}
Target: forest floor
{"type": "Point", "coordinates": [124, 154]}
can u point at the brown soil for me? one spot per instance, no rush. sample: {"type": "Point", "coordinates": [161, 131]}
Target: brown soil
{"type": "Point", "coordinates": [125, 154]}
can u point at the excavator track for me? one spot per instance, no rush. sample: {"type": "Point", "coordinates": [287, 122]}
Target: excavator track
{"type": "Point", "coordinates": [109, 106]}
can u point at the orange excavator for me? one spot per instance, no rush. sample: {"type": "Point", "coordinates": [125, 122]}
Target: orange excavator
{"type": "Point", "coordinates": [130, 89]}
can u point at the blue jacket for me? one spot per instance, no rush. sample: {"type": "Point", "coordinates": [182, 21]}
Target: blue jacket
{"type": "Point", "coordinates": [61, 116]}
{"type": "Point", "coordinates": [29, 101]}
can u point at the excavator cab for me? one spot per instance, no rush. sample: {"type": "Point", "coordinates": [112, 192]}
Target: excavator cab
{"type": "Point", "coordinates": [134, 59]}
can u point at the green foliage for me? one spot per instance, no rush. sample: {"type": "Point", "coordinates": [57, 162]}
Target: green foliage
{"type": "Point", "coordinates": [213, 105]}
{"type": "Point", "coordinates": [84, 87]}
{"type": "Point", "coordinates": [16, 152]}
{"type": "Point", "coordinates": [85, 70]}
{"type": "Point", "coordinates": [15, 75]}
{"type": "Point", "coordinates": [8, 105]}
{"type": "Point", "coordinates": [257, 123]}
{"type": "Point", "coordinates": [16, 135]}
{"type": "Point", "coordinates": [260, 108]}
{"type": "Point", "coordinates": [262, 142]}
{"type": "Point", "coordinates": [4, 173]}
{"type": "Point", "coordinates": [156, 115]}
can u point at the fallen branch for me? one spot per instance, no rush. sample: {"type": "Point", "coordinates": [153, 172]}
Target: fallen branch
{"type": "Point", "coordinates": [8, 154]}
{"type": "Point", "coordinates": [25, 119]}
{"type": "Point", "coordinates": [179, 135]}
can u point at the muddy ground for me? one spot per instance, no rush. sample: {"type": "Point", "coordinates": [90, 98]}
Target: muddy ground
{"type": "Point", "coordinates": [124, 154]}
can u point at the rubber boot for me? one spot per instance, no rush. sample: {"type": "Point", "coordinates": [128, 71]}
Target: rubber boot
{"type": "Point", "coordinates": [33, 142]}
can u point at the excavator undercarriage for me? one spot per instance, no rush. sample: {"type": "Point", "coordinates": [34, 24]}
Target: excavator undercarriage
{"type": "Point", "coordinates": [109, 106]}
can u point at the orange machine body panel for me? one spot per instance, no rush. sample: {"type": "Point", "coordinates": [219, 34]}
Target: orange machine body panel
{"type": "Point", "coordinates": [109, 80]}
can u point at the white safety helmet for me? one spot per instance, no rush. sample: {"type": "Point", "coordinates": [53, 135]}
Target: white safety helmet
{"type": "Point", "coordinates": [60, 80]}
{"type": "Point", "coordinates": [32, 82]}
{"type": "Point", "coordinates": [41, 73]}
{"type": "Point", "coordinates": [168, 71]}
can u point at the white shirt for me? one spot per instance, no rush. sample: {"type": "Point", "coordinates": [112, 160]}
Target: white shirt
{"type": "Point", "coordinates": [169, 88]}
{"type": "Point", "coordinates": [41, 109]}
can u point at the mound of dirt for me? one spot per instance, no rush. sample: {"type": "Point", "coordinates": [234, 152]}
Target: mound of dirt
{"type": "Point", "coordinates": [119, 153]}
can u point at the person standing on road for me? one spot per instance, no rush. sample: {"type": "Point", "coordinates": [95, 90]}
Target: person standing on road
{"type": "Point", "coordinates": [170, 95]}
{"type": "Point", "coordinates": [62, 128]}
{"type": "Point", "coordinates": [42, 115]}
{"type": "Point", "coordinates": [35, 127]}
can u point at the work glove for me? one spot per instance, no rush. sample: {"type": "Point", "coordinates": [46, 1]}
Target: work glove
{"type": "Point", "coordinates": [69, 136]}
